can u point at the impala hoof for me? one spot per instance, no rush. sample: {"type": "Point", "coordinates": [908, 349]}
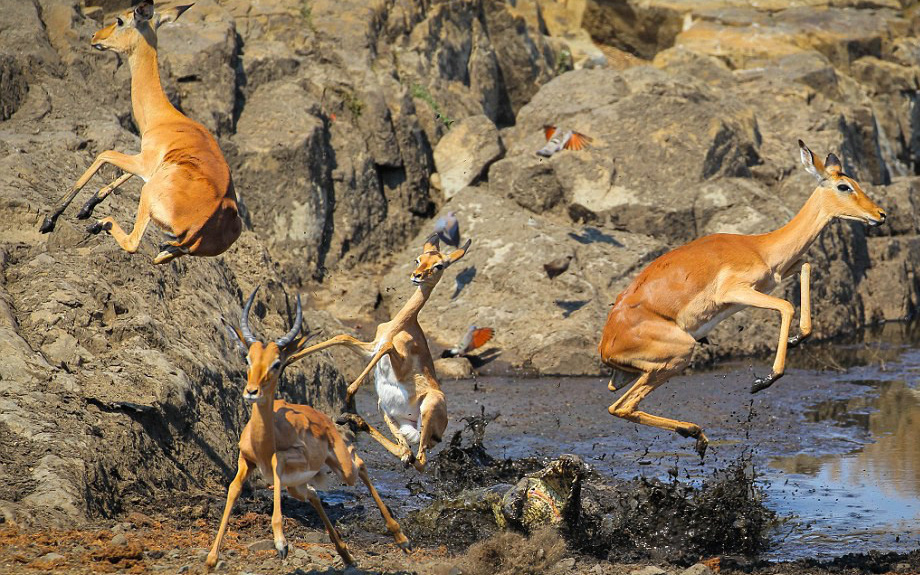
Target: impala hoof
{"type": "Point", "coordinates": [701, 444]}
{"type": "Point", "coordinates": [98, 227]}
{"type": "Point", "coordinates": [87, 210]}
{"type": "Point", "coordinates": [797, 339]}
{"type": "Point", "coordinates": [354, 421]}
{"type": "Point", "coordinates": [408, 459]}
{"type": "Point", "coordinates": [48, 224]}
{"type": "Point", "coordinates": [282, 550]}
{"type": "Point", "coordinates": [406, 546]}
{"type": "Point", "coordinates": [762, 383]}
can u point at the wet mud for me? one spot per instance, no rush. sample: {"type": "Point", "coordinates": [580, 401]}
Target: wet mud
{"type": "Point", "coordinates": [639, 519]}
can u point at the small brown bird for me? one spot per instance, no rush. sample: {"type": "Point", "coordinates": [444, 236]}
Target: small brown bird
{"type": "Point", "coordinates": [557, 139]}
{"type": "Point", "coordinates": [475, 337]}
{"type": "Point", "coordinates": [558, 266]}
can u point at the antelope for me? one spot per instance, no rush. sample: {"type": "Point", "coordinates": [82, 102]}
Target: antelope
{"type": "Point", "coordinates": [408, 394]}
{"type": "Point", "coordinates": [294, 446]}
{"type": "Point", "coordinates": [188, 191]}
{"type": "Point", "coordinates": [681, 296]}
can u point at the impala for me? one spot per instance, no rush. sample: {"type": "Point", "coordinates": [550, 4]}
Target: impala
{"type": "Point", "coordinates": [408, 395]}
{"type": "Point", "coordinates": [681, 296]}
{"type": "Point", "coordinates": [294, 446]}
{"type": "Point", "coordinates": [188, 191]}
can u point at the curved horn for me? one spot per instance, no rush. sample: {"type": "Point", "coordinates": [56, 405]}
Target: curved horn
{"type": "Point", "coordinates": [244, 319]}
{"type": "Point", "coordinates": [298, 318]}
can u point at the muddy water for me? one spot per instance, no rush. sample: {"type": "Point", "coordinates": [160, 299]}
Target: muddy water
{"type": "Point", "coordinates": [836, 450]}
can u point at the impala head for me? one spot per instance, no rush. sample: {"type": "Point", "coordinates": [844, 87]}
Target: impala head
{"type": "Point", "coordinates": [130, 26]}
{"type": "Point", "coordinates": [431, 264]}
{"type": "Point", "coordinates": [266, 360]}
{"type": "Point", "coordinates": [843, 196]}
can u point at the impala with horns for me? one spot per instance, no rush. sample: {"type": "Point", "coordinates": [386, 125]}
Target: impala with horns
{"type": "Point", "coordinates": [293, 446]}
{"type": "Point", "coordinates": [408, 394]}
{"type": "Point", "coordinates": [681, 296]}
{"type": "Point", "coordinates": [188, 191]}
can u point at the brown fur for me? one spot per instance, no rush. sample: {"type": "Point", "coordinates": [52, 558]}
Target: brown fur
{"type": "Point", "coordinates": [288, 442]}
{"type": "Point", "coordinates": [404, 341]}
{"type": "Point", "coordinates": [655, 322]}
{"type": "Point", "coordinates": [188, 191]}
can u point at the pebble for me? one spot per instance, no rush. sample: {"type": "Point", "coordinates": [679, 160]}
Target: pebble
{"type": "Point", "coordinates": [698, 569]}
{"type": "Point", "coordinates": [262, 545]}
{"type": "Point", "coordinates": [650, 570]}
{"type": "Point", "coordinates": [122, 527]}
{"type": "Point", "coordinates": [301, 553]}
{"type": "Point", "coordinates": [902, 568]}
{"type": "Point", "coordinates": [184, 569]}
{"type": "Point", "coordinates": [51, 557]}
{"type": "Point", "coordinates": [220, 565]}
{"type": "Point", "coordinates": [567, 563]}
{"type": "Point", "coordinates": [120, 539]}
{"type": "Point", "coordinates": [352, 570]}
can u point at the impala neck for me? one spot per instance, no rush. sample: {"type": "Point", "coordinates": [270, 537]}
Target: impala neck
{"type": "Point", "coordinates": [789, 243]}
{"type": "Point", "coordinates": [409, 312]}
{"type": "Point", "coordinates": [147, 96]}
{"type": "Point", "coordinates": [262, 428]}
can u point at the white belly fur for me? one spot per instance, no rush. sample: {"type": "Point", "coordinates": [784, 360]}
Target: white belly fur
{"type": "Point", "coordinates": [707, 327]}
{"type": "Point", "coordinates": [393, 399]}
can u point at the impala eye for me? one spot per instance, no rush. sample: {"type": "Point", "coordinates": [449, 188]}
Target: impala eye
{"type": "Point", "coordinates": [439, 266]}
{"type": "Point", "coordinates": [844, 188]}
{"type": "Point", "coordinates": [119, 21]}
{"type": "Point", "coordinates": [275, 365]}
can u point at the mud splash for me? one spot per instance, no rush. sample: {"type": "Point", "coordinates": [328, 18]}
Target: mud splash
{"type": "Point", "coordinates": [641, 518]}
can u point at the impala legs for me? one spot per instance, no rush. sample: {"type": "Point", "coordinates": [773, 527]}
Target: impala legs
{"type": "Point", "coordinates": [658, 351]}
{"type": "Point", "coordinates": [128, 242]}
{"type": "Point", "coordinates": [403, 453]}
{"type": "Point", "coordinates": [87, 210]}
{"type": "Point", "coordinates": [626, 407]}
{"type": "Point", "coordinates": [392, 526]}
{"type": "Point", "coordinates": [805, 319]}
{"type": "Point", "coordinates": [132, 164]}
{"type": "Point", "coordinates": [306, 493]}
{"type": "Point", "coordinates": [233, 492]}
{"type": "Point", "coordinates": [361, 347]}
{"type": "Point", "coordinates": [754, 298]}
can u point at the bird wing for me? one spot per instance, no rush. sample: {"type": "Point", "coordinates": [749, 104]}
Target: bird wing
{"type": "Point", "coordinates": [480, 337]}
{"type": "Point", "coordinates": [549, 130]}
{"type": "Point", "coordinates": [464, 343]}
{"type": "Point", "coordinates": [578, 141]}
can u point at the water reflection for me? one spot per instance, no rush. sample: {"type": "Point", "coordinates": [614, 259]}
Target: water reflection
{"type": "Point", "coordinates": [891, 462]}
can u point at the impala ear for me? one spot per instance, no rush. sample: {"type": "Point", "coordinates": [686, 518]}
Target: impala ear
{"type": "Point", "coordinates": [432, 244]}
{"type": "Point", "coordinates": [457, 254]}
{"type": "Point", "coordinates": [237, 336]}
{"type": "Point", "coordinates": [143, 12]}
{"type": "Point", "coordinates": [812, 164]}
{"type": "Point", "coordinates": [292, 350]}
{"type": "Point", "coordinates": [832, 165]}
{"type": "Point", "coordinates": [171, 14]}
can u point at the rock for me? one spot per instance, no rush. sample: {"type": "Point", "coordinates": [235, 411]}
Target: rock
{"type": "Point", "coordinates": [199, 51]}
{"type": "Point", "coordinates": [649, 570]}
{"type": "Point", "coordinates": [184, 569]}
{"type": "Point", "coordinates": [120, 539]}
{"type": "Point", "coordinates": [262, 545]}
{"type": "Point", "coordinates": [697, 569]}
{"type": "Point", "coordinates": [567, 563]}
{"type": "Point", "coordinates": [51, 557]}
{"type": "Point", "coordinates": [453, 368]}
{"type": "Point", "coordinates": [510, 291]}
{"type": "Point", "coordinates": [465, 152]}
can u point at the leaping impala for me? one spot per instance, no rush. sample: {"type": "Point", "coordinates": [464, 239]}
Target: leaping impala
{"type": "Point", "coordinates": [292, 445]}
{"type": "Point", "coordinates": [408, 394]}
{"type": "Point", "coordinates": [188, 191]}
{"type": "Point", "coordinates": [684, 294]}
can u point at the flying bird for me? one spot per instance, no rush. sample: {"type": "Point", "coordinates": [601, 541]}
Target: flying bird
{"type": "Point", "coordinates": [448, 229]}
{"type": "Point", "coordinates": [557, 139]}
{"type": "Point", "coordinates": [557, 266]}
{"type": "Point", "coordinates": [475, 337]}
